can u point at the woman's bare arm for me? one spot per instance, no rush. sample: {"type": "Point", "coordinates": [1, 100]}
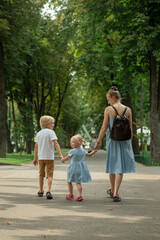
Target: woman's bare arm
{"type": "Point", "coordinates": [130, 121]}
{"type": "Point", "coordinates": [103, 128]}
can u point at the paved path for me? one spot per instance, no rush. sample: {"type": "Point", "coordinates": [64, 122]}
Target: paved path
{"type": "Point", "coordinates": [24, 216]}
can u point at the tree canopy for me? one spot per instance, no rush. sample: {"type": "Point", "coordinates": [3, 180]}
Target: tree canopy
{"type": "Point", "coordinates": [63, 65]}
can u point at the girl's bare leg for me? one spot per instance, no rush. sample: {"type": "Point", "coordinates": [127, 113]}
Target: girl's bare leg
{"type": "Point", "coordinates": [118, 181]}
{"type": "Point", "coordinates": [70, 188]}
{"type": "Point", "coordinates": [79, 187]}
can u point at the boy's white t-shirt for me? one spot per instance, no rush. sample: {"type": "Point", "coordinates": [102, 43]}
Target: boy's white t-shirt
{"type": "Point", "coordinates": [45, 138]}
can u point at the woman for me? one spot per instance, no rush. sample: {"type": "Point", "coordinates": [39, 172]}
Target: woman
{"type": "Point", "coordinates": [120, 157]}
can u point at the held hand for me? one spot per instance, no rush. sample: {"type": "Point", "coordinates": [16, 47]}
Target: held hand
{"type": "Point", "coordinates": [35, 162]}
{"type": "Point", "coordinates": [94, 151]}
{"type": "Point", "coordinates": [62, 160]}
{"type": "Point", "coordinates": [96, 146]}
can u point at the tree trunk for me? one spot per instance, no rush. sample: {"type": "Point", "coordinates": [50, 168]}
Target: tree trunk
{"type": "Point", "coordinates": [30, 135]}
{"type": "Point", "coordinates": [3, 105]}
{"type": "Point", "coordinates": [60, 100]}
{"type": "Point", "coordinates": [141, 115]}
{"type": "Point", "coordinates": [154, 114]}
{"type": "Point", "coordinates": [135, 144]}
{"type": "Point", "coordinates": [8, 129]}
{"type": "Point", "coordinates": [158, 106]}
{"type": "Point", "coordinates": [15, 123]}
{"type": "Point", "coordinates": [9, 145]}
{"type": "Point", "coordinates": [28, 113]}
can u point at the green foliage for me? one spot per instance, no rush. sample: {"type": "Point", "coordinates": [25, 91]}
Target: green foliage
{"type": "Point", "coordinates": [39, 67]}
{"type": "Point", "coordinates": [64, 66]}
{"type": "Point", "coordinates": [17, 158]}
{"type": "Point", "coordinates": [145, 160]}
{"type": "Point", "coordinates": [21, 158]}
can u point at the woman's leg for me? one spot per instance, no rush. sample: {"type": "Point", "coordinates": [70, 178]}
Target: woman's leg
{"type": "Point", "coordinates": [79, 187]}
{"type": "Point", "coordinates": [112, 178]}
{"type": "Point", "coordinates": [70, 188]}
{"type": "Point", "coordinates": [118, 180]}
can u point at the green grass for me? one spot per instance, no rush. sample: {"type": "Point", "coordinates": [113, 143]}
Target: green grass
{"type": "Point", "coordinates": [146, 154]}
{"type": "Point", "coordinates": [18, 159]}
{"type": "Point", "coordinates": [144, 158]}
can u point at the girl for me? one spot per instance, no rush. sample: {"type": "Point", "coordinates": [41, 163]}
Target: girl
{"type": "Point", "coordinates": [120, 157]}
{"type": "Point", "coordinates": [78, 171]}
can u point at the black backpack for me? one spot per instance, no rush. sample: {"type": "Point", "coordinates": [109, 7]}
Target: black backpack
{"type": "Point", "coordinates": [120, 130]}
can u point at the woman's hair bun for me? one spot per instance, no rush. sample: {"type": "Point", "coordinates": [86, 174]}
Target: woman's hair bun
{"type": "Point", "coordinates": [114, 88]}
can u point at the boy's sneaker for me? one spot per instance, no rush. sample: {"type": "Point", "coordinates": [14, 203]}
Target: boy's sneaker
{"type": "Point", "coordinates": [79, 198]}
{"type": "Point", "coordinates": [49, 195]}
{"type": "Point", "coordinates": [70, 197]}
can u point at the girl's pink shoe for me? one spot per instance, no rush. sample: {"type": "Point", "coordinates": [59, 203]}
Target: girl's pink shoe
{"type": "Point", "coordinates": [70, 197]}
{"type": "Point", "coordinates": [79, 198]}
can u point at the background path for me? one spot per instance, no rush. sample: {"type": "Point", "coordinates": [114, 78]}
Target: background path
{"type": "Point", "coordinates": [24, 216]}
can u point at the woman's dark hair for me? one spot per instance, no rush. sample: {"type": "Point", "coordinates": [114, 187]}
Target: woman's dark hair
{"type": "Point", "coordinates": [114, 92]}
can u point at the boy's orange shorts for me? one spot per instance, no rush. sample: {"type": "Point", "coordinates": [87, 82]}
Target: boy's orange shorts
{"type": "Point", "coordinates": [46, 168]}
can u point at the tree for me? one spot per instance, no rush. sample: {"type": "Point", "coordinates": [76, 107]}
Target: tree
{"type": "Point", "coordinates": [39, 68]}
{"type": "Point", "coordinates": [141, 40]}
{"type": "Point", "coordinates": [3, 104]}
{"type": "Point", "coordinates": [96, 55]}
{"type": "Point", "coordinates": [111, 50]}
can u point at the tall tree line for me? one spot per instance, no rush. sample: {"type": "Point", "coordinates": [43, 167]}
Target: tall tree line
{"type": "Point", "coordinates": [117, 43]}
{"type": "Point", "coordinates": [64, 66]}
{"type": "Point", "coordinates": [37, 65]}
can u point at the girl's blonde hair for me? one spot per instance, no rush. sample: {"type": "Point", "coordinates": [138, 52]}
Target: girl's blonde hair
{"type": "Point", "coordinates": [78, 138]}
{"type": "Point", "coordinates": [45, 120]}
{"type": "Point", "coordinates": [114, 92]}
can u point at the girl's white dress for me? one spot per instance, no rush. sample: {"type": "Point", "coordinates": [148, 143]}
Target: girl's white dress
{"type": "Point", "coordinates": [78, 171]}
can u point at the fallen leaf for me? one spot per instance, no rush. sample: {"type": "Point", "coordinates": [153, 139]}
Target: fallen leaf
{"type": "Point", "coordinates": [110, 209]}
{"type": "Point", "coordinates": [50, 230]}
{"type": "Point", "coordinates": [7, 222]}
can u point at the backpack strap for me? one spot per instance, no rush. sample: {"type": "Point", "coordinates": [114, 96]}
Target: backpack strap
{"type": "Point", "coordinates": [110, 111]}
{"type": "Point", "coordinates": [124, 111]}
{"type": "Point", "coordinates": [115, 110]}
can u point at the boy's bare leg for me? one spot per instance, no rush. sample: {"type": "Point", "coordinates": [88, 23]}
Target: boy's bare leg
{"type": "Point", "coordinates": [79, 187]}
{"type": "Point", "coordinates": [41, 183]}
{"type": "Point", "coordinates": [49, 184]}
{"type": "Point", "coordinates": [70, 188]}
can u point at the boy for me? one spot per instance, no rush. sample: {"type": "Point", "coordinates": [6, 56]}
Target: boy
{"type": "Point", "coordinates": [45, 142]}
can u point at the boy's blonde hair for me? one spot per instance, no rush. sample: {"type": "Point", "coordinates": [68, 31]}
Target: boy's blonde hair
{"type": "Point", "coordinates": [45, 120]}
{"type": "Point", "coordinates": [78, 138]}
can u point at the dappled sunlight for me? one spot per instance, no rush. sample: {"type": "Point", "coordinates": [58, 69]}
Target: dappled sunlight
{"type": "Point", "coordinates": [30, 217]}
{"type": "Point", "coordinates": [140, 176]}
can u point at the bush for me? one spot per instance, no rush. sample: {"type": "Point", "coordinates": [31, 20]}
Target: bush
{"type": "Point", "coordinates": [145, 161]}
